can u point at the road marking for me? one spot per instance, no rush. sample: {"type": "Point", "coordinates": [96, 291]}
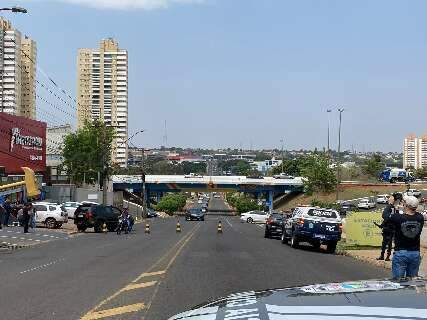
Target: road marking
{"type": "Point", "coordinates": [43, 266]}
{"type": "Point", "coordinates": [134, 286]}
{"type": "Point", "coordinates": [114, 312]}
{"type": "Point", "coordinates": [180, 245]}
{"type": "Point", "coordinates": [149, 274]}
{"type": "Point", "coordinates": [228, 222]}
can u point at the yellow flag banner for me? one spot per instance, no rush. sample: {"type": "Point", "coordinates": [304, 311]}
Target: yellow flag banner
{"type": "Point", "coordinates": [361, 230]}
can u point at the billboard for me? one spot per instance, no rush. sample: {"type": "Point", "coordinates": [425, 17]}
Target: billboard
{"type": "Point", "coordinates": [22, 144]}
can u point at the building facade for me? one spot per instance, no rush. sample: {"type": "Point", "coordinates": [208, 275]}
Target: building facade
{"type": "Point", "coordinates": [415, 152]}
{"type": "Point", "coordinates": [18, 57]}
{"type": "Point", "coordinates": [102, 92]}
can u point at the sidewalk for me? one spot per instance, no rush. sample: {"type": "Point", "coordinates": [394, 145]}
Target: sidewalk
{"type": "Point", "coordinates": [371, 255]}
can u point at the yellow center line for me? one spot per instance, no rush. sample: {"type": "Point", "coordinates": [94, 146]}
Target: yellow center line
{"type": "Point", "coordinates": [135, 286]}
{"type": "Point", "coordinates": [147, 273]}
{"type": "Point", "coordinates": [113, 312]}
{"type": "Point", "coordinates": [169, 265]}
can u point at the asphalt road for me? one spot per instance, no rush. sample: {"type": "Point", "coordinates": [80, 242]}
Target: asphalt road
{"type": "Point", "coordinates": [156, 275]}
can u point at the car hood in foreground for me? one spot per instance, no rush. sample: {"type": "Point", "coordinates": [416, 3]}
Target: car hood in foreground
{"type": "Point", "coordinates": [367, 300]}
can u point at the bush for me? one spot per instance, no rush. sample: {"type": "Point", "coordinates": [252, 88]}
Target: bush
{"type": "Point", "coordinates": [241, 203]}
{"type": "Point", "coordinates": [171, 203]}
{"type": "Point", "coordinates": [321, 204]}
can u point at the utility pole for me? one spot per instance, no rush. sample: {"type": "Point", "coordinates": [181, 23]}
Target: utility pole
{"type": "Point", "coordinates": [340, 110]}
{"type": "Point", "coordinates": [144, 198]}
{"type": "Point", "coordinates": [283, 158]}
{"type": "Point", "coordinates": [328, 111]}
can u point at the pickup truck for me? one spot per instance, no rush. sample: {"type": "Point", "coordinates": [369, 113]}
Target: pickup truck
{"type": "Point", "coordinates": [313, 225]}
{"type": "Point", "coordinates": [94, 216]}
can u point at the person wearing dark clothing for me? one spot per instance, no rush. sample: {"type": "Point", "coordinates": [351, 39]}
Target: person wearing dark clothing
{"type": "Point", "coordinates": [8, 211]}
{"type": "Point", "coordinates": [408, 227]}
{"type": "Point", "coordinates": [387, 231]}
{"type": "Point", "coordinates": [26, 214]}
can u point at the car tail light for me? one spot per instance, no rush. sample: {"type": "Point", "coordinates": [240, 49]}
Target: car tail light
{"type": "Point", "coordinates": [301, 222]}
{"type": "Point", "coordinates": [269, 221]}
{"type": "Point", "coordinates": [89, 214]}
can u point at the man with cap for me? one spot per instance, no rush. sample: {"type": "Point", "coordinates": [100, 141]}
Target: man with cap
{"type": "Point", "coordinates": [408, 227]}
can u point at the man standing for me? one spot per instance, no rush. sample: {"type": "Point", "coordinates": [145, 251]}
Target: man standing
{"type": "Point", "coordinates": [26, 214]}
{"type": "Point", "coordinates": [387, 231]}
{"type": "Point", "coordinates": [408, 227]}
{"type": "Point", "coordinates": [8, 210]}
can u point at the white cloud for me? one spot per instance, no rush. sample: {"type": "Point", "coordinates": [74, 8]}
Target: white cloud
{"type": "Point", "coordinates": [131, 4]}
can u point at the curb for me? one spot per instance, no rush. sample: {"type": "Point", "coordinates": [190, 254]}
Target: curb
{"type": "Point", "coordinates": [378, 263]}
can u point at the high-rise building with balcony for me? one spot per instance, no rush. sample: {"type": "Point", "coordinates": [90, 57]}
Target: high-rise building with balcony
{"type": "Point", "coordinates": [102, 91]}
{"type": "Point", "coordinates": [17, 72]}
{"type": "Point", "coordinates": [415, 152]}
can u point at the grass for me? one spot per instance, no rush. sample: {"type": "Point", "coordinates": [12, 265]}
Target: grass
{"type": "Point", "coordinates": [347, 192]}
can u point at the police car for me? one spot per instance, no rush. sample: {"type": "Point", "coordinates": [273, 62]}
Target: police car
{"type": "Point", "coordinates": [313, 225]}
{"type": "Point", "coordinates": [364, 300]}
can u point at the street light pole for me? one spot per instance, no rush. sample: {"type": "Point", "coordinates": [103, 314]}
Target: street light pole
{"type": "Point", "coordinates": [340, 110]}
{"type": "Point", "coordinates": [328, 112]}
{"type": "Point", "coordinates": [283, 158]}
{"type": "Point", "coordinates": [144, 195]}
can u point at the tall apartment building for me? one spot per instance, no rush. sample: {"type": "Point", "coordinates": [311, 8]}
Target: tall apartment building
{"type": "Point", "coordinates": [18, 57]}
{"type": "Point", "coordinates": [415, 151]}
{"type": "Point", "coordinates": [102, 91]}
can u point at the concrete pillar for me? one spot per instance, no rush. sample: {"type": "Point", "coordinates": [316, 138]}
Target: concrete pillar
{"type": "Point", "coordinates": [270, 200]}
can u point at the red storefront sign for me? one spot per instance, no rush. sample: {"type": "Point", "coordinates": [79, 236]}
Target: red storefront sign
{"type": "Point", "coordinates": [22, 144]}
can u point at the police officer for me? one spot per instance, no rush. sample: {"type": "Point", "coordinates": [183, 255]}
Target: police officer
{"type": "Point", "coordinates": [388, 227]}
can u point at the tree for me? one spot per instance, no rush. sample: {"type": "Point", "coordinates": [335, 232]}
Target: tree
{"type": "Point", "coordinates": [88, 151]}
{"type": "Point", "coordinates": [172, 202]}
{"type": "Point", "coordinates": [373, 166]}
{"type": "Point", "coordinates": [421, 173]}
{"type": "Point", "coordinates": [237, 167]}
{"type": "Point", "coordinates": [318, 176]}
{"type": "Point", "coordinates": [292, 167]}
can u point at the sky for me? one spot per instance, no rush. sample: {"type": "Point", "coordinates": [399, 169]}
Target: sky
{"type": "Point", "coordinates": [248, 73]}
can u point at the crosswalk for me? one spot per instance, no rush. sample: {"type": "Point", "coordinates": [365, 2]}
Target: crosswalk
{"type": "Point", "coordinates": [14, 237]}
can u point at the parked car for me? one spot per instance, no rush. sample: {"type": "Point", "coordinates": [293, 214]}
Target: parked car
{"type": "Point", "coordinates": [274, 225]}
{"type": "Point", "coordinates": [94, 216]}
{"type": "Point", "coordinates": [51, 215]}
{"type": "Point", "coordinates": [366, 204]}
{"type": "Point", "coordinates": [194, 214]}
{"type": "Point", "coordinates": [254, 216]}
{"type": "Point", "coordinates": [255, 176]}
{"type": "Point", "coordinates": [382, 198]}
{"type": "Point", "coordinates": [313, 225]}
{"type": "Point", "coordinates": [71, 207]}
{"type": "Point", "coordinates": [347, 206]}
{"type": "Point", "coordinates": [413, 192]}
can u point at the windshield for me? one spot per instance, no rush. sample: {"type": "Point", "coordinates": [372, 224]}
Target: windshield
{"type": "Point", "coordinates": [157, 155]}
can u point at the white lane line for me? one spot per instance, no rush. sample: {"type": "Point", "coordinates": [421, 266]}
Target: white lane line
{"type": "Point", "coordinates": [14, 237]}
{"type": "Point", "coordinates": [42, 266]}
{"type": "Point", "coordinates": [260, 225]}
{"type": "Point", "coordinates": [4, 236]}
{"type": "Point", "coordinates": [45, 235]}
{"type": "Point", "coordinates": [226, 220]}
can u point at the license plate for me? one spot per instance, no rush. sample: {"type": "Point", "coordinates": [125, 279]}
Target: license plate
{"type": "Point", "coordinates": [320, 236]}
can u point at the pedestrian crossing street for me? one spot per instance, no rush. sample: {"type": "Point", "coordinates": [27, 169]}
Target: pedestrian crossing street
{"type": "Point", "coordinates": [14, 236]}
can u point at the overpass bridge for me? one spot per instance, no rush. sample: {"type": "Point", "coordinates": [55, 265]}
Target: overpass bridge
{"type": "Point", "coordinates": [159, 184]}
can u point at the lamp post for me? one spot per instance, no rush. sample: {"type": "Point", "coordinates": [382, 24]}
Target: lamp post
{"type": "Point", "coordinates": [144, 200]}
{"type": "Point", "coordinates": [328, 112]}
{"type": "Point", "coordinates": [283, 158]}
{"type": "Point", "coordinates": [340, 110]}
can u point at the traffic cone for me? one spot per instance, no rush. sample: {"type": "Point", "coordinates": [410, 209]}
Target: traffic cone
{"type": "Point", "coordinates": [219, 228]}
{"type": "Point", "coordinates": [147, 228]}
{"type": "Point", "coordinates": [178, 227]}
{"type": "Point", "coordinates": [104, 228]}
